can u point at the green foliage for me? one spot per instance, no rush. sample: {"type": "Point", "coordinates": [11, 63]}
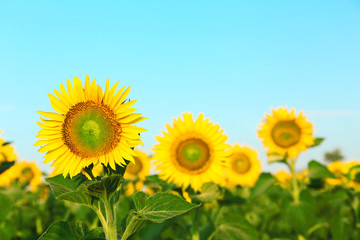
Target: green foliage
{"type": "Point", "coordinates": [106, 187]}
{"type": "Point", "coordinates": [265, 211]}
{"type": "Point", "coordinates": [59, 230]}
{"type": "Point", "coordinates": [209, 192]}
{"type": "Point", "coordinates": [160, 206]}
{"type": "Point", "coordinates": [6, 204]}
{"type": "Point", "coordinates": [95, 234]}
{"type": "Point", "coordinates": [318, 170]}
{"type": "Point", "coordinates": [264, 183]}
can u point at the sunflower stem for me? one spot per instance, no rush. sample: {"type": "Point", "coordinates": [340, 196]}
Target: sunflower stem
{"type": "Point", "coordinates": [101, 218]}
{"type": "Point", "coordinates": [111, 221]}
{"type": "Point", "coordinates": [195, 235]}
{"type": "Point", "coordinates": [295, 186]}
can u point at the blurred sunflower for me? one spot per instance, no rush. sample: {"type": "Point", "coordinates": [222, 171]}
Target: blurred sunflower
{"type": "Point", "coordinates": [140, 169]}
{"type": "Point", "coordinates": [89, 127]}
{"type": "Point", "coordinates": [339, 169]}
{"type": "Point", "coordinates": [283, 132]}
{"type": "Point", "coordinates": [303, 176]}
{"type": "Point", "coordinates": [28, 172]}
{"type": "Point", "coordinates": [283, 178]}
{"type": "Point", "coordinates": [23, 172]}
{"type": "Point", "coordinates": [191, 152]}
{"type": "Point", "coordinates": [244, 166]}
{"type": "Point", "coordinates": [7, 152]}
{"type": "Point", "coordinates": [137, 172]}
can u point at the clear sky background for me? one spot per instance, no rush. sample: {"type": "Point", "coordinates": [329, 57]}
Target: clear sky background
{"type": "Point", "coordinates": [232, 60]}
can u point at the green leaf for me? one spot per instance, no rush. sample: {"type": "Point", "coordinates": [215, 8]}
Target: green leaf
{"type": "Point", "coordinates": [133, 224]}
{"type": "Point", "coordinates": [235, 231]}
{"type": "Point", "coordinates": [317, 142]}
{"type": "Point", "coordinates": [74, 190]}
{"type": "Point", "coordinates": [300, 216]}
{"type": "Point", "coordinates": [263, 184]}
{"type": "Point", "coordinates": [161, 206]}
{"type": "Point", "coordinates": [80, 196]}
{"type": "Point", "coordinates": [209, 192]}
{"type": "Point", "coordinates": [6, 205]}
{"type": "Point", "coordinates": [61, 185]}
{"type": "Point", "coordinates": [5, 166]}
{"type": "Point", "coordinates": [106, 187]}
{"type": "Point", "coordinates": [232, 226]}
{"type": "Point", "coordinates": [139, 199]}
{"type": "Point", "coordinates": [318, 170]}
{"type": "Point", "coordinates": [81, 228]}
{"type": "Point", "coordinates": [95, 234]}
{"type": "Point", "coordinates": [59, 230]}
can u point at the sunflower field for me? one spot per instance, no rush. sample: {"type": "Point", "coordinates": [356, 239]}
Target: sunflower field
{"type": "Point", "coordinates": [194, 185]}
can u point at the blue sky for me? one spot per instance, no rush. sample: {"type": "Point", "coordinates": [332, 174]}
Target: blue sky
{"type": "Point", "coordinates": [232, 60]}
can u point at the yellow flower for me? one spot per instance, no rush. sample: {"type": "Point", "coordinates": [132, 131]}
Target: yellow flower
{"type": "Point", "coordinates": [303, 176]}
{"type": "Point", "coordinates": [132, 187]}
{"type": "Point", "coordinates": [7, 153]}
{"type": "Point", "coordinates": [140, 169]}
{"type": "Point", "coordinates": [244, 166]}
{"type": "Point", "coordinates": [24, 172]}
{"type": "Point", "coordinates": [339, 169]}
{"type": "Point", "coordinates": [283, 132]}
{"type": "Point", "coordinates": [283, 177]}
{"type": "Point", "coordinates": [191, 152]}
{"type": "Point", "coordinates": [89, 127]}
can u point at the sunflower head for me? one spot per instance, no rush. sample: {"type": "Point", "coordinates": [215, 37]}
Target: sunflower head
{"type": "Point", "coordinates": [7, 152]}
{"type": "Point", "coordinates": [191, 152]}
{"type": "Point", "coordinates": [140, 169]}
{"type": "Point", "coordinates": [89, 126]}
{"type": "Point", "coordinates": [339, 169]}
{"type": "Point", "coordinates": [284, 132]}
{"type": "Point", "coordinates": [26, 173]}
{"type": "Point", "coordinates": [283, 178]}
{"type": "Point", "coordinates": [244, 166]}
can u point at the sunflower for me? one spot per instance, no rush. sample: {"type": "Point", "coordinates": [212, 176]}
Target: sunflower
{"type": "Point", "coordinates": [339, 169]}
{"type": "Point", "coordinates": [7, 153]}
{"type": "Point", "coordinates": [28, 172]}
{"type": "Point", "coordinates": [244, 166]}
{"type": "Point", "coordinates": [283, 132]}
{"type": "Point", "coordinates": [24, 172]}
{"type": "Point", "coordinates": [283, 178]}
{"type": "Point", "coordinates": [137, 172]}
{"type": "Point", "coordinates": [303, 176]}
{"type": "Point", "coordinates": [140, 169]}
{"type": "Point", "coordinates": [89, 127]}
{"type": "Point", "coordinates": [191, 152]}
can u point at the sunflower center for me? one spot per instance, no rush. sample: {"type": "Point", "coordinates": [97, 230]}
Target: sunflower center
{"type": "Point", "coordinates": [286, 133]}
{"type": "Point", "coordinates": [241, 163]}
{"type": "Point", "coordinates": [193, 155]}
{"type": "Point", "coordinates": [134, 168]}
{"type": "Point", "coordinates": [338, 173]}
{"type": "Point", "coordinates": [27, 174]}
{"type": "Point", "coordinates": [90, 129]}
